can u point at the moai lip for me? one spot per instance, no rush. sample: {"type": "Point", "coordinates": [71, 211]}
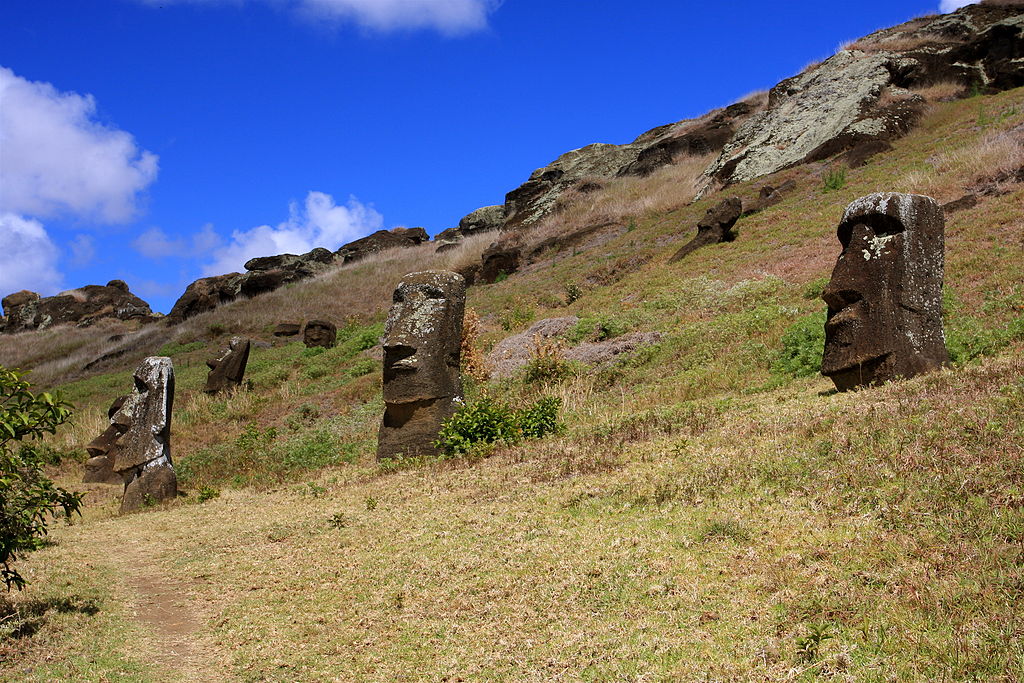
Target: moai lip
{"type": "Point", "coordinates": [885, 296]}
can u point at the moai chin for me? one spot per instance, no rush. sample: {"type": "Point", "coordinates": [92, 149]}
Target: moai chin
{"type": "Point", "coordinates": [422, 350]}
{"type": "Point", "coordinates": [227, 371]}
{"type": "Point", "coordinates": [885, 296]}
{"type": "Point", "coordinates": [143, 458]}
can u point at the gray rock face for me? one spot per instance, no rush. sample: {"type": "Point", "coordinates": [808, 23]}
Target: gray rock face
{"type": "Point", "coordinates": [228, 369]}
{"type": "Point", "coordinates": [885, 296]}
{"type": "Point", "coordinates": [513, 352]}
{"type": "Point", "coordinates": [858, 98]}
{"type": "Point", "coordinates": [816, 114]}
{"type": "Point", "coordinates": [422, 354]}
{"type": "Point", "coordinates": [143, 459]}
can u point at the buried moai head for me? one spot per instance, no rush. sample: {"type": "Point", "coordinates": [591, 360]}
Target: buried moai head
{"type": "Point", "coordinates": [228, 369]}
{"type": "Point", "coordinates": [143, 456]}
{"type": "Point", "coordinates": [320, 333]}
{"type": "Point", "coordinates": [422, 343]}
{"type": "Point", "coordinates": [885, 296]}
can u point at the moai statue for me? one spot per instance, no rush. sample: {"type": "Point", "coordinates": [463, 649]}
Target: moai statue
{"type": "Point", "coordinates": [422, 344]}
{"type": "Point", "coordinates": [143, 456]}
{"type": "Point", "coordinates": [885, 296]}
{"type": "Point", "coordinates": [227, 371]}
{"type": "Point", "coordinates": [99, 468]}
{"type": "Point", "coordinates": [320, 333]}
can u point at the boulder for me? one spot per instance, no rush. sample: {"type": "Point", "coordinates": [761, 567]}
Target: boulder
{"type": "Point", "coordinates": [287, 329]}
{"type": "Point", "coordinates": [767, 196]}
{"type": "Point", "coordinates": [716, 226]}
{"type": "Point", "coordinates": [143, 456]}
{"type": "Point", "coordinates": [422, 352]}
{"type": "Point", "coordinates": [381, 240]}
{"type": "Point", "coordinates": [20, 309]}
{"type": "Point", "coordinates": [484, 219]}
{"type": "Point", "coordinates": [205, 294]}
{"type": "Point", "coordinates": [496, 260]}
{"type": "Point", "coordinates": [320, 333]}
{"type": "Point", "coordinates": [513, 352]}
{"type": "Point", "coordinates": [414, 235]}
{"type": "Point", "coordinates": [228, 369]}
{"type": "Point", "coordinates": [885, 296]}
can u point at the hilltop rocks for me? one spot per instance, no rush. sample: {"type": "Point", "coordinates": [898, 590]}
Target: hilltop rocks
{"type": "Point", "coordinates": [228, 369]}
{"type": "Point", "coordinates": [859, 100]}
{"type": "Point", "coordinates": [380, 241]}
{"type": "Point", "coordinates": [143, 456]}
{"type": "Point", "coordinates": [885, 296]}
{"type": "Point", "coordinates": [484, 219]}
{"type": "Point", "coordinates": [661, 146]}
{"type": "Point", "coordinates": [716, 226]}
{"type": "Point", "coordinates": [99, 468]}
{"type": "Point", "coordinates": [320, 333]}
{"type": "Point", "coordinates": [26, 310]}
{"type": "Point", "coordinates": [422, 350]}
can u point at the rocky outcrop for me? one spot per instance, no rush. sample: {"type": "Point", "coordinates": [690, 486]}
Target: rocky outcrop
{"type": "Point", "coordinates": [498, 260]}
{"type": "Point", "coordinates": [264, 274]}
{"type": "Point", "coordinates": [859, 100]}
{"type": "Point", "coordinates": [484, 219]}
{"type": "Point", "coordinates": [380, 241]}
{"type": "Point", "coordinates": [715, 227]}
{"type": "Point", "coordinates": [26, 310]}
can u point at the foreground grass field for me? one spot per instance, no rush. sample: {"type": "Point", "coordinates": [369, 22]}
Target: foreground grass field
{"type": "Point", "coordinates": [708, 514]}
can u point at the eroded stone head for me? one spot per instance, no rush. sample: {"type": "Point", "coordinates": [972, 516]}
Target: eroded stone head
{"type": "Point", "coordinates": [885, 296]}
{"type": "Point", "coordinates": [228, 369]}
{"type": "Point", "coordinates": [422, 344]}
{"type": "Point", "coordinates": [320, 333]}
{"type": "Point", "coordinates": [423, 337]}
{"type": "Point", "coordinates": [143, 458]}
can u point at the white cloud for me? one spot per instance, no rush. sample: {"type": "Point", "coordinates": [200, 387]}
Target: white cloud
{"type": "Point", "coordinates": [946, 6]}
{"type": "Point", "coordinates": [29, 258]}
{"type": "Point", "coordinates": [450, 17]}
{"type": "Point", "coordinates": [154, 243]}
{"type": "Point", "coordinates": [58, 159]}
{"type": "Point", "coordinates": [83, 250]}
{"type": "Point", "coordinates": [319, 222]}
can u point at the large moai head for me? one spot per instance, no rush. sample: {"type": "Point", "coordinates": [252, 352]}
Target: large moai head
{"type": "Point", "coordinates": [422, 345]}
{"type": "Point", "coordinates": [228, 369]}
{"type": "Point", "coordinates": [143, 458]}
{"type": "Point", "coordinates": [320, 333]}
{"type": "Point", "coordinates": [885, 296]}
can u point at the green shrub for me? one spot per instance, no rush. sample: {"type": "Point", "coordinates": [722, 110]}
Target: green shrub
{"type": "Point", "coordinates": [573, 292]}
{"type": "Point", "coordinates": [803, 344]}
{"type": "Point", "coordinates": [363, 367]}
{"type": "Point", "coordinates": [597, 328]}
{"type": "Point", "coordinates": [28, 498]}
{"type": "Point", "coordinates": [834, 179]}
{"type": "Point", "coordinates": [207, 493]}
{"type": "Point", "coordinates": [488, 421]}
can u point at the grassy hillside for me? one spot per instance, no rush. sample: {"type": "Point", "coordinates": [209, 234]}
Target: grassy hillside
{"type": "Point", "coordinates": [712, 511]}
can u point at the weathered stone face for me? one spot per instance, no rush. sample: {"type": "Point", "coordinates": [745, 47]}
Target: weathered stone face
{"type": "Point", "coordinates": [99, 468]}
{"type": "Point", "coordinates": [143, 458]}
{"type": "Point", "coordinates": [715, 227]}
{"type": "Point", "coordinates": [227, 370]}
{"type": "Point", "coordinates": [320, 333]}
{"type": "Point", "coordinates": [885, 296]}
{"type": "Point", "coordinates": [422, 342]}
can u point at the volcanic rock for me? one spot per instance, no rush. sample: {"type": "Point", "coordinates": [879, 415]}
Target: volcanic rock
{"type": "Point", "coordinates": [320, 333]}
{"type": "Point", "coordinates": [716, 226]}
{"type": "Point", "coordinates": [228, 369]}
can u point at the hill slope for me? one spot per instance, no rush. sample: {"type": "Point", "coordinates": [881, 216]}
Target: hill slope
{"type": "Point", "coordinates": [708, 514]}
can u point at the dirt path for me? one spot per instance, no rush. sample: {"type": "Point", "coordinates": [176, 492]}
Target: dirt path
{"type": "Point", "coordinates": [165, 609]}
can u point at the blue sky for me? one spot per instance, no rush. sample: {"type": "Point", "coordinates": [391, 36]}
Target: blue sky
{"type": "Point", "coordinates": [158, 141]}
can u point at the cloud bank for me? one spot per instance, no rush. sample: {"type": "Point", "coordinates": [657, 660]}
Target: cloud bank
{"type": "Point", "coordinates": [28, 259]}
{"type": "Point", "coordinates": [450, 17]}
{"type": "Point", "coordinates": [946, 6]}
{"type": "Point", "coordinates": [318, 222]}
{"type": "Point", "coordinates": [58, 159]}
